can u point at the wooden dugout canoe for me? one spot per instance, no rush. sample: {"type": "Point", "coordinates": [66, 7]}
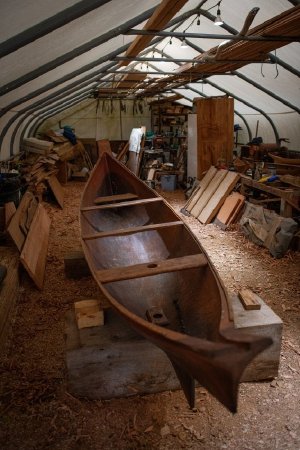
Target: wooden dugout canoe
{"type": "Point", "coordinates": [155, 273]}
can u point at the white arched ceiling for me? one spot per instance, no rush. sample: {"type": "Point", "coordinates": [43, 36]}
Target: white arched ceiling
{"type": "Point", "coordinates": [81, 72]}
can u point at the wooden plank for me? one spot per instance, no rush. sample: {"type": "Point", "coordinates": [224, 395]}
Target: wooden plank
{"type": "Point", "coordinates": [14, 229]}
{"type": "Point", "coordinates": [124, 231]}
{"type": "Point", "coordinates": [115, 198]}
{"type": "Point", "coordinates": [215, 202]}
{"type": "Point", "coordinates": [8, 296]}
{"type": "Point", "coordinates": [9, 210]}
{"type": "Point", "coordinates": [56, 189]}
{"type": "Point", "coordinates": [151, 268]}
{"type": "Point", "coordinates": [208, 192]}
{"type": "Point", "coordinates": [201, 188]}
{"type": "Point", "coordinates": [142, 201]}
{"type": "Point", "coordinates": [249, 299]}
{"type": "Point", "coordinates": [161, 16]}
{"type": "Point", "coordinates": [88, 313]}
{"type": "Point", "coordinates": [34, 253]}
{"type": "Point", "coordinates": [230, 208]}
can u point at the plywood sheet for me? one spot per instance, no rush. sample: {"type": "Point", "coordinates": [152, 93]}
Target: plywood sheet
{"type": "Point", "coordinates": [220, 194]}
{"type": "Point", "coordinates": [34, 253]}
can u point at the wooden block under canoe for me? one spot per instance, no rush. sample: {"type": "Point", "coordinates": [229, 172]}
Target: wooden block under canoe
{"type": "Point", "coordinates": [88, 313]}
{"type": "Point", "coordinates": [75, 264]}
{"type": "Point", "coordinates": [114, 361]}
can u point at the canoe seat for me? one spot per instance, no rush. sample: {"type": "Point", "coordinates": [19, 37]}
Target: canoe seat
{"type": "Point", "coordinates": [115, 198]}
{"type": "Point", "coordinates": [142, 201]}
{"type": "Point", "coordinates": [131, 230]}
{"type": "Point", "coordinates": [151, 268]}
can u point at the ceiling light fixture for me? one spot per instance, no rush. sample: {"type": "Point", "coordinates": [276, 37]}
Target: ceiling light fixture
{"type": "Point", "coordinates": [183, 43]}
{"type": "Point", "coordinates": [218, 19]}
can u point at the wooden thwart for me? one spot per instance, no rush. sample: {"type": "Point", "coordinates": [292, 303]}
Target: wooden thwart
{"type": "Point", "coordinates": [142, 201]}
{"type": "Point", "coordinates": [124, 231]}
{"type": "Point", "coordinates": [151, 268]}
{"type": "Point", "coordinates": [115, 198]}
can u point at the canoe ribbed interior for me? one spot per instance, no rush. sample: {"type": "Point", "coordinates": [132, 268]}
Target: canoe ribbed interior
{"type": "Point", "coordinates": [125, 240]}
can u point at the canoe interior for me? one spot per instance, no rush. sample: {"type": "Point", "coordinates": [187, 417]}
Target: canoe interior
{"type": "Point", "coordinates": [189, 299]}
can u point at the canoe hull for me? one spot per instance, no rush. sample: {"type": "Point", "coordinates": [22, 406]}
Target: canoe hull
{"type": "Point", "coordinates": [145, 259]}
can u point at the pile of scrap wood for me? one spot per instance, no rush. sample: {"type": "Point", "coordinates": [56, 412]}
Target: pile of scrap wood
{"type": "Point", "coordinates": [210, 195]}
{"type": "Point", "coordinates": [51, 161]}
{"type": "Point", "coordinates": [28, 222]}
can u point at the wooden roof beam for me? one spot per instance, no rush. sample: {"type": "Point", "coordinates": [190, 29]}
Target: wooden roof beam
{"type": "Point", "coordinates": [161, 16]}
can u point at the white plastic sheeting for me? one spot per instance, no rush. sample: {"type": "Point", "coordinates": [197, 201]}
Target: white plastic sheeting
{"type": "Point", "coordinates": [55, 74]}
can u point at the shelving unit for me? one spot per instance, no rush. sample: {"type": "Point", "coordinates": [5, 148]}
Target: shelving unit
{"type": "Point", "coordinates": [169, 124]}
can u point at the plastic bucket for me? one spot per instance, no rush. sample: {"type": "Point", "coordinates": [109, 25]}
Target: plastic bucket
{"type": "Point", "coordinates": [168, 182]}
{"type": "Point", "coordinates": [9, 188]}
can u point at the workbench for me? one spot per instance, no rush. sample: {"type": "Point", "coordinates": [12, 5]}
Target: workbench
{"type": "Point", "coordinates": [288, 197]}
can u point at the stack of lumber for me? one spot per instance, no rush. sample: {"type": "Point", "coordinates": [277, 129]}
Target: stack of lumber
{"type": "Point", "coordinates": [34, 145]}
{"type": "Point", "coordinates": [211, 193]}
{"type": "Point", "coordinates": [29, 229]}
{"type": "Point", "coordinates": [43, 168]}
{"type": "Point", "coordinates": [42, 175]}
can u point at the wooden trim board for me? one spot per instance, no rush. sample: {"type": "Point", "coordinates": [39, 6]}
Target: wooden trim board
{"type": "Point", "coordinates": [142, 201]}
{"type": "Point", "coordinates": [34, 253]}
{"type": "Point", "coordinates": [115, 198]}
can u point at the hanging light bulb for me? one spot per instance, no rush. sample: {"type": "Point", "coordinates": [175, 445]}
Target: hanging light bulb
{"type": "Point", "coordinates": [198, 20]}
{"type": "Point", "coordinates": [218, 19]}
{"type": "Point", "coordinates": [170, 42]}
{"type": "Point", "coordinates": [183, 43]}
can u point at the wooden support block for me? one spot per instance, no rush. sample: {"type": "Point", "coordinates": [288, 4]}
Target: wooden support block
{"type": "Point", "coordinates": [249, 299]}
{"type": "Point", "coordinates": [265, 323]}
{"type": "Point", "coordinates": [75, 265]}
{"type": "Point", "coordinates": [114, 361]}
{"type": "Point", "coordinates": [88, 314]}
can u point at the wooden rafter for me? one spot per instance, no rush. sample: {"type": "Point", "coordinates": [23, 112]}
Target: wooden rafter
{"type": "Point", "coordinates": [161, 16]}
{"type": "Point", "coordinates": [285, 24]}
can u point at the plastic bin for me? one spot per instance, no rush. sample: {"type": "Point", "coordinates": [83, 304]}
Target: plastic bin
{"type": "Point", "coordinates": [168, 182]}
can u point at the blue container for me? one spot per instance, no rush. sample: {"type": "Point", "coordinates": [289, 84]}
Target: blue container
{"type": "Point", "coordinates": [168, 182]}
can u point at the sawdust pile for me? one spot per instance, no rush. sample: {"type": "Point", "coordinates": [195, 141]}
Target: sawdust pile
{"type": "Point", "coordinates": [37, 412]}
